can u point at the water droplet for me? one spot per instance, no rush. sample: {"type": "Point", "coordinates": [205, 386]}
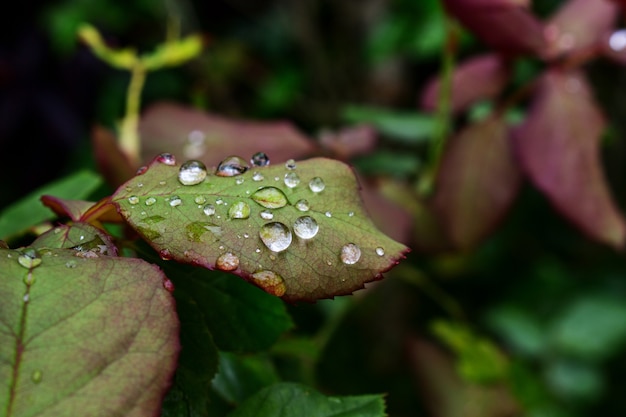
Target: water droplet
{"type": "Point", "coordinates": [29, 258]}
{"type": "Point", "coordinates": [239, 181]}
{"type": "Point", "coordinates": [219, 201]}
{"type": "Point", "coordinates": [257, 176]}
{"type": "Point", "coordinates": [227, 262]}
{"type": "Point", "coordinates": [142, 170]}
{"type": "Point", "coordinates": [246, 235]}
{"type": "Point", "coordinates": [232, 166]}
{"type": "Point", "coordinates": [617, 41]}
{"type": "Point", "coordinates": [257, 250]}
{"type": "Point", "coordinates": [380, 251]}
{"type": "Point", "coordinates": [140, 185]}
{"type": "Point", "coordinates": [305, 227]}
{"type": "Point", "coordinates": [36, 376]}
{"type": "Point", "coordinates": [150, 201]}
{"type": "Point", "coordinates": [276, 178]}
{"type": "Point", "coordinates": [165, 254]}
{"type": "Point", "coordinates": [209, 209]}
{"type": "Point", "coordinates": [290, 164]}
{"type": "Point", "coordinates": [260, 159]}
{"type": "Point", "coordinates": [351, 214]}
{"type": "Point", "coordinates": [239, 210]}
{"type": "Point", "coordinates": [162, 183]}
{"type": "Point", "coordinates": [70, 264]}
{"type": "Point", "coordinates": [199, 199]}
{"type": "Point", "coordinates": [26, 297]}
{"type": "Point", "coordinates": [133, 199]}
{"type": "Point", "coordinates": [168, 285]}
{"type": "Point", "coordinates": [317, 185]}
{"type": "Point", "coordinates": [292, 179]}
{"type": "Point", "coordinates": [167, 159]}
{"type": "Point", "coordinates": [276, 236]}
{"type": "Point", "coordinates": [270, 282]}
{"type": "Point", "coordinates": [128, 188]}
{"type": "Point", "coordinates": [303, 205]}
{"type": "Point", "coordinates": [350, 254]}
{"type": "Point", "coordinates": [221, 247]}
{"type": "Point", "coordinates": [192, 172]}
{"type": "Point", "coordinates": [175, 201]}
{"type": "Point", "coordinates": [266, 215]}
{"type": "Point", "coordinates": [328, 214]}
{"type": "Point", "coordinates": [270, 197]}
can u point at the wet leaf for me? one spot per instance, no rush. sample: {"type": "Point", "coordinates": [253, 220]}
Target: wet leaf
{"type": "Point", "coordinates": [479, 78]}
{"type": "Point", "coordinates": [297, 230]}
{"type": "Point", "coordinates": [477, 182]}
{"type": "Point", "coordinates": [558, 147]}
{"type": "Point", "coordinates": [291, 399]}
{"type": "Point", "coordinates": [99, 335]}
{"type": "Point", "coordinates": [78, 236]}
{"type": "Point", "coordinates": [192, 134]}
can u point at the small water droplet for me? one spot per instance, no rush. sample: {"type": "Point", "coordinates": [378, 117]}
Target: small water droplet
{"type": "Point", "coordinates": [239, 181]}
{"type": "Point", "coordinates": [351, 214]}
{"type": "Point", "coordinates": [380, 251]}
{"type": "Point", "coordinates": [328, 214]}
{"type": "Point", "coordinates": [239, 210]}
{"type": "Point", "coordinates": [162, 182]}
{"type": "Point", "coordinates": [317, 185]}
{"type": "Point", "coordinates": [270, 282]}
{"type": "Point", "coordinates": [257, 176]}
{"type": "Point", "coordinates": [227, 262]}
{"type": "Point", "coordinates": [219, 201]}
{"type": "Point", "coordinates": [290, 164]}
{"type": "Point", "coordinates": [167, 159]}
{"type": "Point", "coordinates": [175, 201]}
{"type": "Point", "coordinates": [140, 185]}
{"type": "Point", "coordinates": [305, 227]}
{"type": "Point", "coordinates": [276, 178]}
{"type": "Point", "coordinates": [168, 285]}
{"type": "Point", "coordinates": [150, 201]}
{"type": "Point", "coordinates": [291, 179]}
{"type": "Point", "coordinates": [133, 199]}
{"type": "Point", "coordinates": [70, 264]}
{"type": "Point", "coordinates": [57, 231]}
{"type": "Point", "coordinates": [199, 199]}
{"type": "Point", "coordinates": [192, 172]}
{"type": "Point", "coordinates": [142, 170]}
{"type": "Point", "coordinates": [329, 263]}
{"type": "Point", "coordinates": [266, 215]}
{"type": "Point", "coordinates": [276, 236]}
{"type": "Point", "coordinates": [82, 237]}
{"type": "Point", "coordinates": [165, 254]}
{"type": "Point", "coordinates": [221, 247]}
{"type": "Point", "coordinates": [270, 197]}
{"type": "Point", "coordinates": [36, 376]}
{"type": "Point", "coordinates": [209, 209]}
{"type": "Point", "coordinates": [128, 188]}
{"type": "Point", "coordinates": [246, 235]}
{"type": "Point", "coordinates": [260, 159]}
{"type": "Point", "coordinates": [26, 297]}
{"type": "Point", "coordinates": [273, 257]}
{"type": "Point", "coordinates": [29, 259]}
{"type": "Point", "coordinates": [303, 205]}
{"type": "Point", "coordinates": [257, 250]}
{"type": "Point", "coordinates": [350, 254]}
{"type": "Point", "coordinates": [232, 166]}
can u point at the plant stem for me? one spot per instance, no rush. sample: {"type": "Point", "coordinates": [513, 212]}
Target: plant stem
{"type": "Point", "coordinates": [129, 131]}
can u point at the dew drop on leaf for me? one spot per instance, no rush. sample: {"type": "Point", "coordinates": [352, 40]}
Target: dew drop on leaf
{"type": "Point", "coordinates": [199, 199]}
{"type": "Point", "coordinates": [142, 170]}
{"type": "Point", "coordinates": [303, 205]}
{"type": "Point", "coordinates": [227, 262]}
{"type": "Point", "coordinates": [351, 214]}
{"type": "Point", "coordinates": [276, 236]}
{"type": "Point", "coordinates": [219, 201]}
{"type": "Point", "coordinates": [232, 166]}
{"type": "Point", "coordinates": [168, 285]}
{"type": "Point", "coordinates": [317, 185]}
{"type": "Point", "coordinates": [270, 197]}
{"type": "Point", "coordinates": [290, 164]}
{"type": "Point", "coordinates": [70, 264]}
{"type": "Point", "coordinates": [150, 201]}
{"type": "Point", "coordinates": [165, 254]}
{"type": "Point", "coordinates": [260, 159]}
{"type": "Point", "coordinates": [239, 210]}
{"type": "Point", "coordinates": [167, 159]}
{"type": "Point", "coordinates": [291, 179]}
{"type": "Point", "coordinates": [380, 251]}
{"type": "Point", "coordinates": [257, 176]}
{"type": "Point", "coordinates": [175, 201]}
{"type": "Point", "coordinates": [305, 227]}
{"type": "Point", "coordinates": [239, 181]}
{"type": "Point", "coordinates": [26, 297]}
{"type": "Point", "coordinates": [133, 199]}
{"type": "Point", "coordinates": [266, 215]}
{"type": "Point", "coordinates": [271, 282]}
{"type": "Point", "coordinates": [36, 376]}
{"type": "Point", "coordinates": [192, 172]}
{"type": "Point", "coordinates": [350, 254]}
{"type": "Point", "coordinates": [29, 258]}
{"type": "Point", "coordinates": [328, 214]}
{"type": "Point", "coordinates": [209, 209]}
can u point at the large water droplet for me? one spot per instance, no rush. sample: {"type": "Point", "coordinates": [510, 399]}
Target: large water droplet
{"type": "Point", "coordinates": [350, 254]}
{"type": "Point", "coordinates": [271, 282]}
{"type": "Point", "coordinates": [150, 201]}
{"type": "Point", "coordinates": [36, 376]}
{"type": "Point", "coordinates": [303, 205]}
{"type": "Point", "coordinates": [175, 201]}
{"type": "Point", "coordinates": [29, 258]}
{"type": "Point", "coordinates": [192, 172]}
{"type": "Point", "coordinates": [380, 251]}
{"type": "Point", "coordinates": [317, 185]}
{"type": "Point", "coordinates": [166, 158]}
{"type": "Point", "coordinates": [276, 236]}
{"type": "Point", "coordinates": [266, 215]}
{"type": "Point", "coordinates": [305, 227]}
{"type": "Point", "coordinates": [133, 199]}
{"type": "Point", "coordinates": [270, 197]}
{"type": "Point", "coordinates": [260, 159]}
{"type": "Point", "coordinates": [290, 164]}
{"type": "Point", "coordinates": [232, 166]}
{"type": "Point", "coordinates": [239, 210]}
{"type": "Point", "coordinates": [292, 179]}
{"type": "Point", "coordinates": [209, 209]}
{"type": "Point", "coordinates": [227, 262]}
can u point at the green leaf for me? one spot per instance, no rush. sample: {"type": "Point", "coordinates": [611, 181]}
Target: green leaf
{"type": "Point", "coordinates": [290, 399]}
{"type": "Point", "coordinates": [28, 211]}
{"type": "Point", "coordinates": [97, 334]}
{"type": "Point", "coordinates": [236, 224]}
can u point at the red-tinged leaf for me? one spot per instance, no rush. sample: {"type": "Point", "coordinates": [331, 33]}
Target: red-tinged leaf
{"type": "Point", "coordinates": [190, 133]}
{"type": "Point", "coordinates": [83, 336]}
{"type": "Point", "coordinates": [479, 78]}
{"type": "Point", "coordinates": [579, 24]}
{"type": "Point", "coordinates": [477, 182]}
{"type": "Point", "coordinates": [349, 141]}
{"type": "Point", "coordinates": [80, 210]}
{"type": "Point", "coordinates": [558, 147]}
{"type": "Point", "coordinates": [82, 237]}
{"type": "Point", "coordinates": [113, 164]}
{"type": "Point", "coordinates": [502, 24]}
{"type": "Point", "coordinates": [298, 231]}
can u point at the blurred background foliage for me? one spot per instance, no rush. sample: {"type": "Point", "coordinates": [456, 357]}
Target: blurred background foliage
{"type": "Point", "coordinates": [531, 322]}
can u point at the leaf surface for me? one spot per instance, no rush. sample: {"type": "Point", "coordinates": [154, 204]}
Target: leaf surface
{"type": "Point", "coordinates": [291, 400]}
{"type": "Point", "coordinates": [99, 335]}
{"type": "Point", "coordinates": [246, 225]}
{"type": "Point", "coordinates": [78, 236]}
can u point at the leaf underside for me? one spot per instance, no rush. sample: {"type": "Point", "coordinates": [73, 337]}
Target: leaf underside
{"type": "Point", "coordinates": [310, 268]}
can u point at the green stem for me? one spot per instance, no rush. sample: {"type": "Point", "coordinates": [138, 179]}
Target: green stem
{"type": "Point", "coordinates": [129, 131]}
